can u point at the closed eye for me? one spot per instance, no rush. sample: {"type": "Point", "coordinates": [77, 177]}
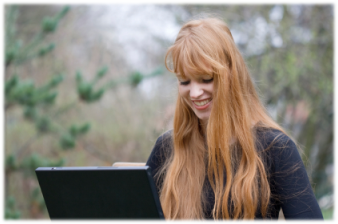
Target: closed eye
{"type": "Point", "coordinates": [185, 83]}
{"type": "Point", "coordinates": [208, 80]}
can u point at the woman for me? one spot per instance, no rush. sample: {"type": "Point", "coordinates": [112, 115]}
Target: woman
{"type": "Point", "coordinates": [225, 157]}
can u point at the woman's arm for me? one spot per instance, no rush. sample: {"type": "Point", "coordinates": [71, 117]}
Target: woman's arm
{"type": "Point", "coordinates": [158, 156]}
{"type": "Point", "coordinates": [291, 183]}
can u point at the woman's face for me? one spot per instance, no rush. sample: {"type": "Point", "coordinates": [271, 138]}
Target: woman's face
{"type": "Point", "coordinates": [197, 92]}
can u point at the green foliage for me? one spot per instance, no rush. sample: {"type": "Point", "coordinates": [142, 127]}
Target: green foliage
{"type": "Point", "coordinates": [86, 89]}
{"type": "Point", "coordinates": [136, 78]}
{"type": "Point", "coordinates": [43, 124]}
{"type": "Point", "coordinates": [15, 52]}
{"type": "Point", "coordinates": [26, 94]}
{"type": "Point", "coordinates": [11, 83]}
{"type": "Point", "coordinates": [79, 130]}
{"type": "Point", "coordinates": [102, 72]}
{"type": "Point", "coordinates": [34, 101]}
{"type": "Point", "coordinates": [36, 197]}
{"type": "Point", "coordinates": [38, 103]}
{"type": "Point", "coordinates": [43, 51]}
{"type": "Point", "coordinates": [10, 162]}
{"type": "Point", "coordinates": [67, 140]}
{"type": "Point", "coordinates": [10, 211]}
{"type": "Point", "coordinates": [49, 24]}
{"type": "Point", "coordinates": [56, 80]}
{"type": "Point", "coordinates": [30, 163]}
{"type": "Point", "coordinates": [9, 56]}
{"type": "Point", "coordinates": [30, 113]}
{"type": "Point", "coordinates": [34, 161]}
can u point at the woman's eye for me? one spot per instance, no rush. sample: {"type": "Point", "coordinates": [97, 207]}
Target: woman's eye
{"type": "Point", "coordinates": [185, 83]}
{"type": "Point", "coordinates": [208, 80]}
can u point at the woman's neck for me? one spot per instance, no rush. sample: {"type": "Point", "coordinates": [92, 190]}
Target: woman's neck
{"type": "Point", "coordinates": [204, 125]}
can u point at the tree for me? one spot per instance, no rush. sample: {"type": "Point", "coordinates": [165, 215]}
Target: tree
{"type": "Point", "coordinates": [38, 105]}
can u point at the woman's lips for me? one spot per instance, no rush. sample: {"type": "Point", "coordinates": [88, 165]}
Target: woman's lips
{"type": "Point", "coordinates": [201, 104]}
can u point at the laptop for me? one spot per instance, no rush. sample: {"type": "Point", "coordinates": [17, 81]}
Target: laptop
{"type": "Point", "coordinates": [99, 192]}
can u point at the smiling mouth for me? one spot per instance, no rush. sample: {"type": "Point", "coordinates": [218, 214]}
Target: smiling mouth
{"type": "Point", "coordinates": [201, 103]}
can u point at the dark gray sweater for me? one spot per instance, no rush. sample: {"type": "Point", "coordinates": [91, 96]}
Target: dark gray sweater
{"type": "Point", "coordinates": [289, 183]}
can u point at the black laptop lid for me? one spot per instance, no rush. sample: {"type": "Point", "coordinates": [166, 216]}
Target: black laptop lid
{"type": "Point", "coordinates": [99, 192]}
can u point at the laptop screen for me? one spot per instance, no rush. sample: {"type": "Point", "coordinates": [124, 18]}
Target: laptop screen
{"type": "Point", "coordinates": [99, 192]}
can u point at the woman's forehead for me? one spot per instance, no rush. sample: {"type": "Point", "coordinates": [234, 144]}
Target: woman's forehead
{"type": "Point", "coordinates": [187, 68]}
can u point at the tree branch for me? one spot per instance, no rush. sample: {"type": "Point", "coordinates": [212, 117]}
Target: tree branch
{"type": "Point", "coordinates": [64, 109]}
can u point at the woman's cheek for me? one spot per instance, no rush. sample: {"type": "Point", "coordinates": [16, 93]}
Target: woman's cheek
{"type": "Point", "coordinates": [182, 91]}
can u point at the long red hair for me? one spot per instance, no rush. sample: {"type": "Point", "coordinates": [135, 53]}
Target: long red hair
{"type": "Point", "coordinates": [230, 139]}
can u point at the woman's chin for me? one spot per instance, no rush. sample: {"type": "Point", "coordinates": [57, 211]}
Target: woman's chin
{"type": "Point", "coordinates": [203, 119]}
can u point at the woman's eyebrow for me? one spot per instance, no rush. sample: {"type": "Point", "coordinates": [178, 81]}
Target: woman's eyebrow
{"type": "Point", "coordinates": [204, 76]}
{"type": "Point", "coordinates": [179, 76]}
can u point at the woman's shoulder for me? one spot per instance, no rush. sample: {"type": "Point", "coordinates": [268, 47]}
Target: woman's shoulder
{"type": "Point", "coordinates": [289, 182]}
{"type": "Point", "coordinates": [160, 152]}
{"type": "Point", "coordinates": [165, 138]}
{"type": "Point", "coordinates": [273, 138]}
{"type": "Point", "coordinates": [279, 147]}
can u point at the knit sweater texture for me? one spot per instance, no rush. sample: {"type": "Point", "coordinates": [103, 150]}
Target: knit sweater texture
{"type": "Point", "coordinates": [290, 187]}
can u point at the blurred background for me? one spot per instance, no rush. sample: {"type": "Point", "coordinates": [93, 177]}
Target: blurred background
{"type": "Point", "coordinates": [85, 85]}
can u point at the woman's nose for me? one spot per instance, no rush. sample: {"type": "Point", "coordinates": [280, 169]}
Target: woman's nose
{"type": "Point", "coordinates": [195, 90]}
